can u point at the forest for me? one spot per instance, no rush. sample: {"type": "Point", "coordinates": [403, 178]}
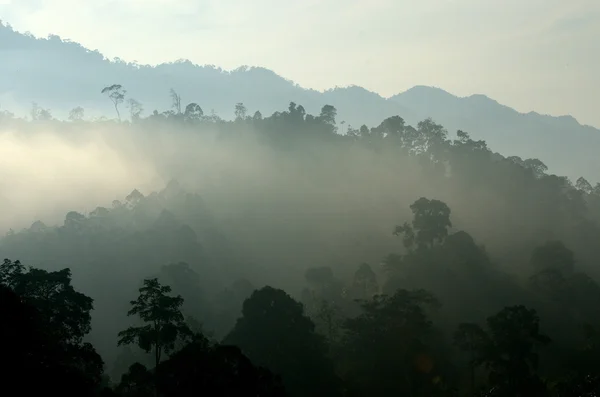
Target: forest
{"type": "Point", "coordinates": [293, 255]}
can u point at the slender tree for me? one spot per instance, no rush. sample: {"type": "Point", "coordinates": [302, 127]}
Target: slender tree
{"type": "Point", "coordinates": [116, 94]}
{"type": "Point", "coordinates": [175, 101]}
{"type": "Point", "coordinates": [163, 318]}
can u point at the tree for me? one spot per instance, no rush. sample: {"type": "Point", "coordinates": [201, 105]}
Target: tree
{"type": "Point", "coordinates": [328, 314]}
{"type": "Point", "coordinates": [175, 101]}
{"type": "Point", "coordinates": [193, 112]}
{"type": "Point", "coordinates": [240, 111]}
{"type": "Point", "coordinates": [40, 114]}
{"type": "Point", "coordinates": [553, 265]}
{"type": "Point", "coordinates": [324, 284]}
{"type": "Point", "coordinates": [386, 344]}
{"type": "Point", "coordinates": [472, 339]}
{"type": "Point", "coordinates": [428, 138]}
{"type": "Point", "coordinates": [74, 221]}
{"type": "Point", "coordinates": [161, 312]}
{"type": "Point", "coordinates": [328, 114]}
{"type": "Point", "coordinates": [553, 255]}
{"type": "Point", "coordinates": [508, 349]}
{"type": "Point", "coordinates": [40, 337]}
{"type": "Point", "coordinates": [116, 94]}
{"type": "Point", "coordinates": [430, 224]}
{"type": "Point", "coordinates": [274, 332]}
{"type": "Point", "coordinates": [201, 368]}
{"type": "Point", "coordinates": [537, 167]}
{"type": "Point", "coordinates": [135, 109]}
{"type": "Point", "coordinates": [583, 185]}
{"type": "Point", "coordinates": [136, 382]}
{"type": "Point", "coordinates": [364, 283]}
{"type": "Point", "coordinates": [393, 129]}
{"type": "Point", "coordinates": [65, 311]}
{"type": "Point", "coordinates": [76, 114]}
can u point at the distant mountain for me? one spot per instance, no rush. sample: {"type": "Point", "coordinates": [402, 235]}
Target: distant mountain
{"type": "Point", "coordinates": [563, 144]}
{"type": "Point", "coordinates": [61, 75]}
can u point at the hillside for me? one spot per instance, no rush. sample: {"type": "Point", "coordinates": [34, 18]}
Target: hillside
{"type": "Point", "coordinates": [73, 76]}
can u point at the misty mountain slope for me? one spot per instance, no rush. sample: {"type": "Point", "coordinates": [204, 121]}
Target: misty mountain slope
{"type": "Point", "coordinates": [73, 76]}
{"type": "Point", "coordinates": [561, 143]}
{"type": "Point", "coordinates": [262, 201]}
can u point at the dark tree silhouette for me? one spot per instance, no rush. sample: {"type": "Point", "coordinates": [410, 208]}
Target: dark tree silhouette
{"type": "Point", "coordinates": [165, 322]}
{"type": "Point", "coordinates": [116, 94]}
{"type": "Point", "coordinates": [429, 226]}
{"type": "Point", "coordinates": [274, 332]}
{"type": "Point", "coordinates": [386, 345]}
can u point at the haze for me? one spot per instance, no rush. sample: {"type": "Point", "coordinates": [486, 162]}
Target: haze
{"type": "Point", "coordinates": [384, 238]}
{"type": "Point", "coordinates": [45, 175]}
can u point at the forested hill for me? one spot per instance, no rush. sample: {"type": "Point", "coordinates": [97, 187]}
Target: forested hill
{"type": "Point", "coordinates": [73, 76]}
{"type": "Point", "coordinates": [290, 260]}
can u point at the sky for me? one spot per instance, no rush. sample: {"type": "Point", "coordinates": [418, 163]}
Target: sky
{"type": "Point", "coordinates": [541, 55]}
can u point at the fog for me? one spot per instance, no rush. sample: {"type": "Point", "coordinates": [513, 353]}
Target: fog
{"type": "Point", "coordinates": [45, 175]}
{"type": "Point", "coordinates": [320, 198]}
{"type": "Point", "coordinates": [227, 207]}
{"type": "Point", "coordinates": [177, 229]}
{"type": "Point", "coordinates": [259, 194]}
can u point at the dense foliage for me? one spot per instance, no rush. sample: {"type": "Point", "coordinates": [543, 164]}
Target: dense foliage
{"type": "Point", "coordinates": [318, 263]}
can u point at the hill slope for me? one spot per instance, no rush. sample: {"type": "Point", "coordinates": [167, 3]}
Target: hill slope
{"type": "Point", "coordinates": [61, 75]}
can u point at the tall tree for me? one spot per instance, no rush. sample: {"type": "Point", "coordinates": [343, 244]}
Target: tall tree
{"type": "Point", "coordinates": [274, 332]}
{"type": "Point", "coordinates": [175, 101]}
{"type": "Point", "coordinates": [135, 109]}
{"type": "Point", "coordinates": [116, 94]}
{"type": "Point", "coordinates": [386, 344]}
{"type": "Point", "coordinates": [163, 318]}
{"type": "Point", "coordinates": [430, 224]}
{"type": "Point", "coordinates": [472, 339]}
{"type": "Point", "coordinates": [328, 114]}
{"type": "Point", "coordinates": [240, 111]}
{"type": "Point", "coordinates": [508, 349]}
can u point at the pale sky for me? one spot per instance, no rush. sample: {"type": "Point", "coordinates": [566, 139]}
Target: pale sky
{"type": "Point", "coordinates": [541, 55]}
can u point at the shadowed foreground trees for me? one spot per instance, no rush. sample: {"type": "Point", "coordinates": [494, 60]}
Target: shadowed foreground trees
{"type": "Point", "coordinates": [392, 347]}
{"type": "Point", "coordinates": [386, 346]}
{"type": "Point", "coordinates": [202, 368]}
{"type": "Point", "coordinates": [508, 350]}
{"type": "Point", "coordinates": [43, 323]}
{"type": "Point", "coordinates": [274, 332]}
{"type": "Point", "coordinates": [218, 369]}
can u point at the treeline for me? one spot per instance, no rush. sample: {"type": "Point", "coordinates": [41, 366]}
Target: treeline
{"type": "Point", "coordinates": [441, 315]}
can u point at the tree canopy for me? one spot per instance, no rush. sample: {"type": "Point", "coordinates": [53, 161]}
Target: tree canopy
{"type": "Point", "coordinates": [290, 257]}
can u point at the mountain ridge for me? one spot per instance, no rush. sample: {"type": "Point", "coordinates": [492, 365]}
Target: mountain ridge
{"type": "Point", "coordinates": [96, 54]}
{"type": "Point", "coordinates": [73, 75]}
